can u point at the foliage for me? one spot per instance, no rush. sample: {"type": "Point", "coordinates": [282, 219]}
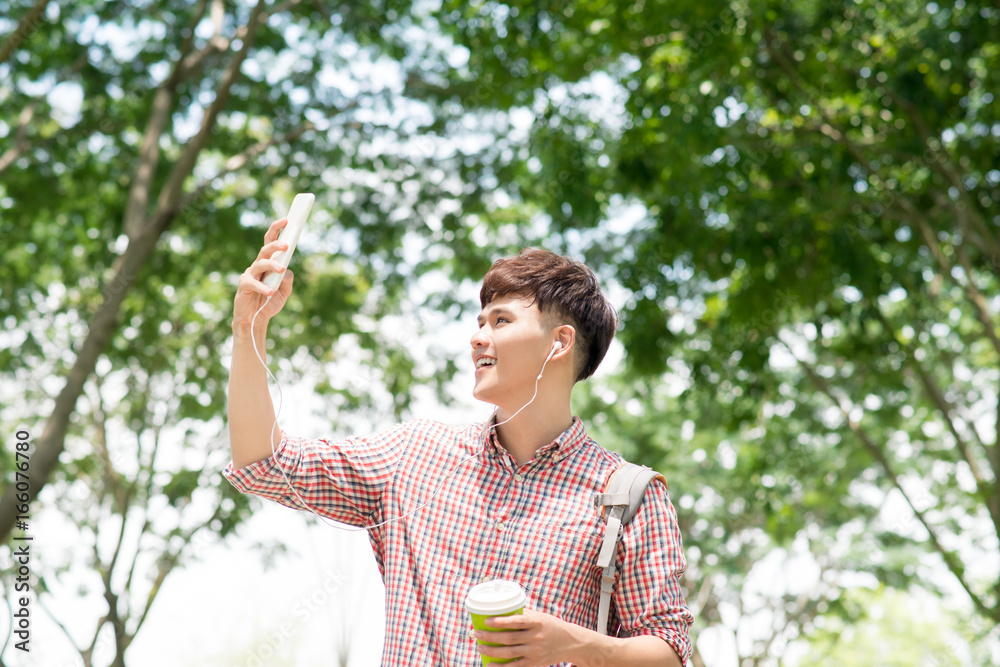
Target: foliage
{"type": "Point", "coordinates": [811, 269]}
{"type": "Point", "coordinates": [897, 629]}
{"type": "Point", "coordinates": [797, 199]}
{"type": "Point", "coordinates": [145, 148]}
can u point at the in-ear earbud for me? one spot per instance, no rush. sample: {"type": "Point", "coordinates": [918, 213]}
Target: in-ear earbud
{"type": "Point", "coordinates": [555, 348]}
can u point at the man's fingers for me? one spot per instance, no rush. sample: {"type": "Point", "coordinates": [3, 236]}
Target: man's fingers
{"type": "Point", "coordinates": [520, 621]}
{"type": "Point", "coordinates": [510, 638]}
{"type": "Point", "coordinates": [272, 232]}
{"type": "Point", "coordinates": [500, 651]}
{"type": "Point", "coordinates": [266, 261]}
{"type": "Point", "coordinates": [248, 283]}
{"type": "Point", "coordinates": [269, 250]}
{"type": "Point", "coordinates": [264, 266]}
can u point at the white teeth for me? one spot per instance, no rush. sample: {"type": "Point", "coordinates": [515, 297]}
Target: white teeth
{"type": "Point", "coordinates": [485, 362]}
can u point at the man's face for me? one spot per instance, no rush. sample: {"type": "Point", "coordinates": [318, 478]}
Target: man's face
{"type": "Point", "coordinates": [508, 350]}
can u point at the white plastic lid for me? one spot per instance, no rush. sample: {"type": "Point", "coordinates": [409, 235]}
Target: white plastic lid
{"type": "Point", "coordinates": [499, 596]}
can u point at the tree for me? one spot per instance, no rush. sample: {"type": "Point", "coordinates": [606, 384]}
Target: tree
{"type": "Point", "coordinates": [814, 258]}
{"type": "Point", "coordinates": [799, 201]}
{"type": "Point", "coordinates": [150, 145]}
{"type": "Point", "coordinates": [177, 131]}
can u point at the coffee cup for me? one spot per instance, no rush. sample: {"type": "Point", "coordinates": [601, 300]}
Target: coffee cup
{"type": "Point", "coordinates": [499, 597]}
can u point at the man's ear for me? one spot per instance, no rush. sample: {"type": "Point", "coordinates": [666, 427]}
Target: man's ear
{"type": "Point", "coordinates": [566, 336]}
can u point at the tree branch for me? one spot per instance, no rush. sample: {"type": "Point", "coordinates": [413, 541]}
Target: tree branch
{"type": "Point", "coordinates": [933, 391]}
{"type": "Point", "coordinates": [146, 521]}
{"type": "Point", "coordinates": [977, 298]}
{"type": "Point", "coordinates": [171, 192]}
{"type": "Point", "coordinates": [829, 125]}
{"type": "Point", "coordinates": [112, 479]}
{"type": "Point", "coordinates": [59, 624]}
{"type": "Point", "coordinates": [992, 452]}
{"type": "Point", "coordinates": [161, 575]}
{"type": "Point", "coordinates": [985, 488]}
{"type": "Point", "coordinates": [969, 287]}
{"type": "Point", "coordinates": [950, 559]}
{"type": "Point", "coordinates": [24, 29]}
{"type": "Point", "coordinates": [240, 160]}
{"type": "Point", "coordinates": [946, 409]}
{"type": "Point", "coordinates": [113, 616]}
{"type": "Point", "coordinates": [941, 162]}
{"type": "Point", "coordinates": [21, 143]}
{"type": "Point", "coordinates": [218, 43]}
{"type": "Point", "coordinates": [88, 653]}
{"type": "Point", "coordinates": [167, 565]}
{"type": "Point", "coordinates": [137, 204]}
{"type": "Point", "coordinates": [112, 598]}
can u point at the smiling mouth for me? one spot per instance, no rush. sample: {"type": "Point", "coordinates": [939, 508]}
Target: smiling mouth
{"type": "Point", "coordinates": [485, 362]}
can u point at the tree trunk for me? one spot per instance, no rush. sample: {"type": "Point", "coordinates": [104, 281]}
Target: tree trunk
{"type": "Point", "coordinates": [52, 441]}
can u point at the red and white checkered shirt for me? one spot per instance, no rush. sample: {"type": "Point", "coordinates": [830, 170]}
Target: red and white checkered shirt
{"type": "Point", "coordinates": [487, 518]}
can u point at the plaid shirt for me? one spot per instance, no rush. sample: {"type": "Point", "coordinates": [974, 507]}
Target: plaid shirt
{"type": "Point", "coordinates": [489, 518]}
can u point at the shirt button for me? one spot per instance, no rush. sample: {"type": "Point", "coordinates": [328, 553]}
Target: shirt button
{"type": "Point", "coordinates": [500, 526]}
{"type": "Point", "coordinates": [518, 477]}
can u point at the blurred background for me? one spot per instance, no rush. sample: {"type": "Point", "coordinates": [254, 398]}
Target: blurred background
{"type": "Point", "coordinates": [792, 204]}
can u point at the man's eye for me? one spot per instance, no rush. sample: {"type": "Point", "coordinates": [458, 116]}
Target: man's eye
{"type": "Point", "coordinates": [502, 319]}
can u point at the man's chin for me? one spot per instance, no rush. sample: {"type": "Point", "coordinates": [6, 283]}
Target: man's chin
{"type": "Point", "coordinates": [483, 392]}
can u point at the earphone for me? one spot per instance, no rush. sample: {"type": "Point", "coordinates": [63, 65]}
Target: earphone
{"type": "Point", "coordinates": [555, 348]}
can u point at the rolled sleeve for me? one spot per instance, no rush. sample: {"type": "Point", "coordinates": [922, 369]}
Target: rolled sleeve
{"type": "Point", "coordinates": [341, 480]}
{"type": "Point", "coordinates": [648, 596]}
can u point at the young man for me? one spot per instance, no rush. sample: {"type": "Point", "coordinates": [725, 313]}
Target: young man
{"type": "Point", "coordinates": [448, 507]}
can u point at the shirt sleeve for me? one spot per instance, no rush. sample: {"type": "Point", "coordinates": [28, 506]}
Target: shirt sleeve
{"type": "Point", "coordinates": [341, 480]}
{"type": "Point", "coordinates": [648, 596]}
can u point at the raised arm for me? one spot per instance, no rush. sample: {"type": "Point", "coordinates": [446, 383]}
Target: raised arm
{"type": "Point", "coordinates": [251, 412]}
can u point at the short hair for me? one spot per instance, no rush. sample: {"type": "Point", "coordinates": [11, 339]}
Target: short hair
{"type": "Point", "coordinates": [559, 286]}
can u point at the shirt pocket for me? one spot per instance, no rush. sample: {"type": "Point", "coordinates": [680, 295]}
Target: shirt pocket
{"type": "Point", "coordinates": [563, 549]}
{"type": "Point", "coordinates": [560, 563]}
{"type": "Point", "coordinates": [572, 538]}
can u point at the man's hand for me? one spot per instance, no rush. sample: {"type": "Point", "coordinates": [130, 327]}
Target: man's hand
{"type": "Point", "coordinates": [252, 293]}
{"type": "Point", "coordinates": [536, 639]}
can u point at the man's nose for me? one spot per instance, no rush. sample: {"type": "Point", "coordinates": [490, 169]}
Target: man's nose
{"type": "Point", "coordinates": [479, 338]}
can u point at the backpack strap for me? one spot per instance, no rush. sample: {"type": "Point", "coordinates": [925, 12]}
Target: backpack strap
{"type": "Point", "coordinates": [623, 495]}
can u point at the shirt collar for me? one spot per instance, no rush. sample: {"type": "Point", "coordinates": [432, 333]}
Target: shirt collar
{"type": "Point", "coordinates": [564, 445]}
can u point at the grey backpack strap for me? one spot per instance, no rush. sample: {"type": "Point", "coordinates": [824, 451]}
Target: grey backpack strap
{"type": "Point", "coordinates": [622, 497]}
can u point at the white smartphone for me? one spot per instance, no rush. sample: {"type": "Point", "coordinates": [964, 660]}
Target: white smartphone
{"type": "Point", "coordinates": [297, 215]}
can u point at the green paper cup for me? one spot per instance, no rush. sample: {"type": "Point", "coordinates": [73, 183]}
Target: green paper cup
{"type": "Point", "coordinates": [499, 597]}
